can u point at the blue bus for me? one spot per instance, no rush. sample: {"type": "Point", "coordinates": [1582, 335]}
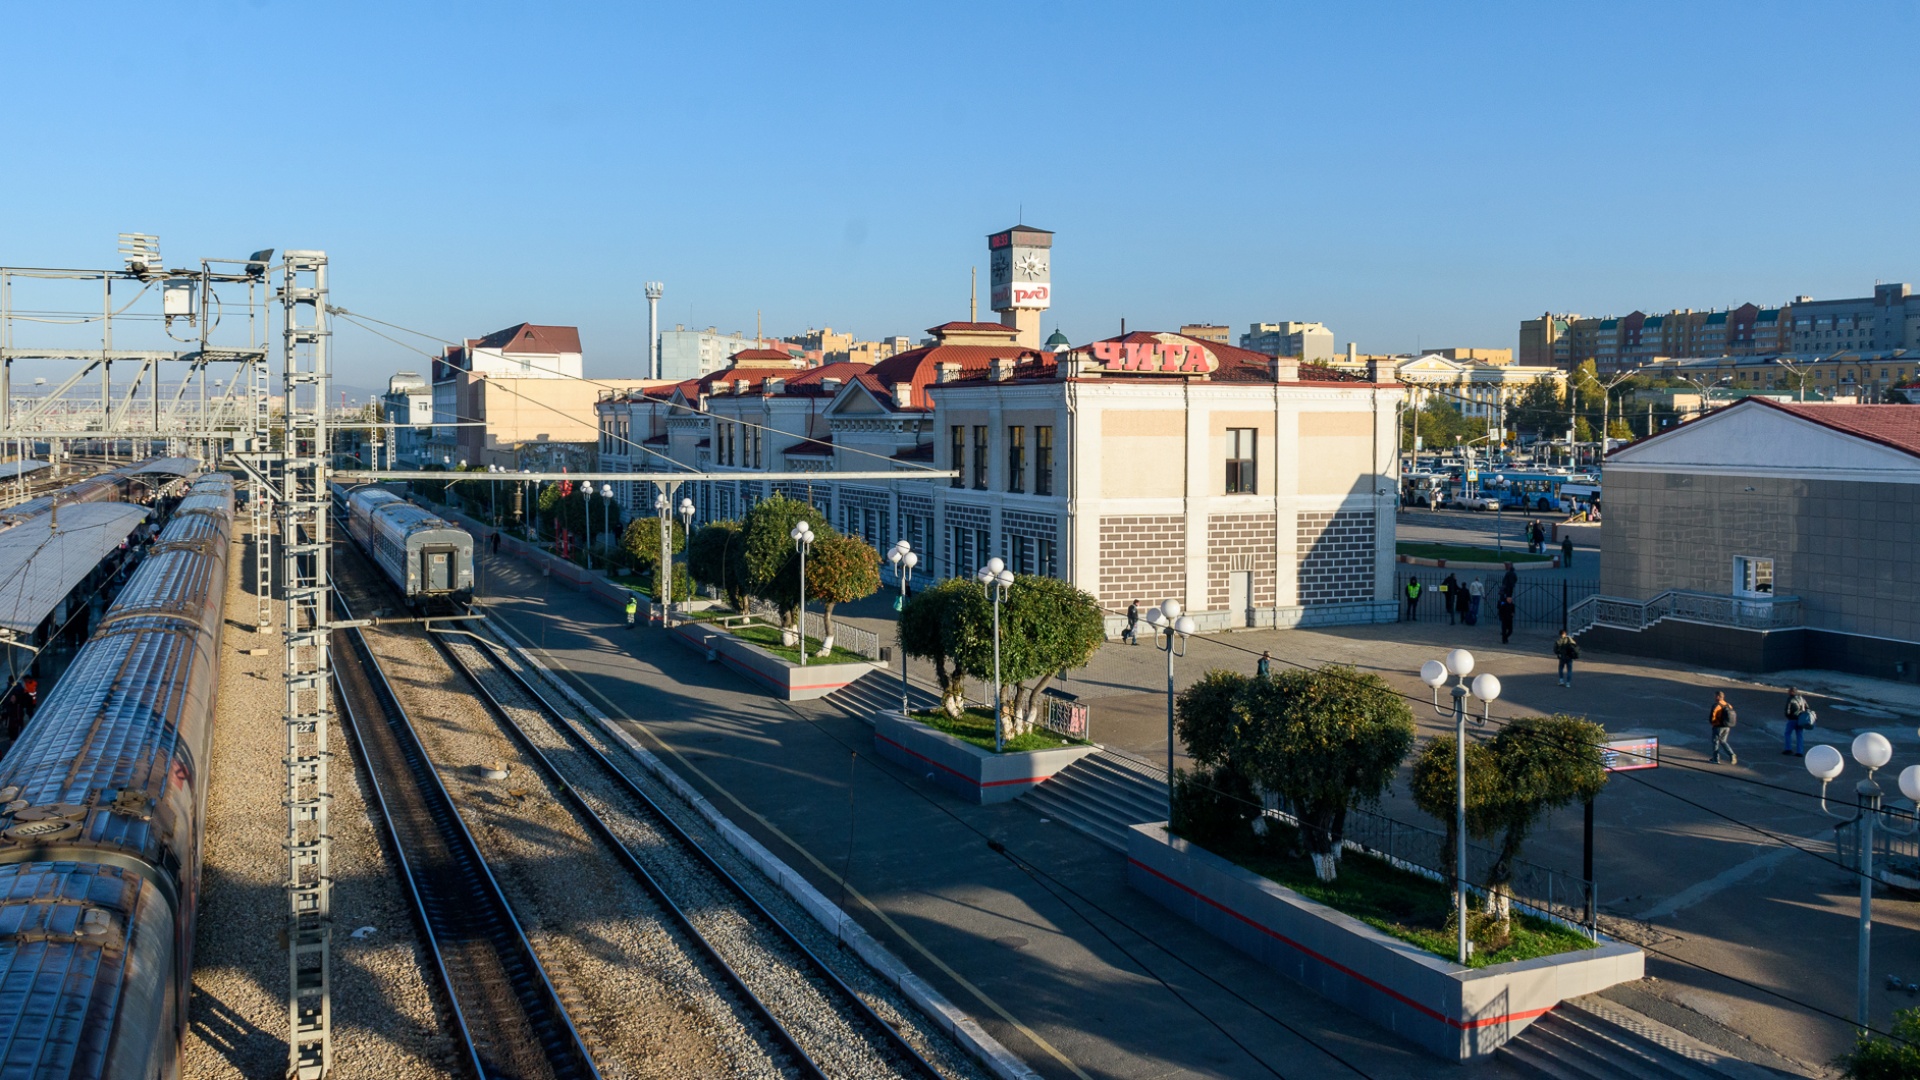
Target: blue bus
{"type": "Point", "coordinates": [1529, 490]}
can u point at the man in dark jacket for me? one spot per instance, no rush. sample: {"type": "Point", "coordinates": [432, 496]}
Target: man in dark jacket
{"type": "Point", "coordinates": [1566, 650]}
{"type": "Point", "coordinates": [1722, 719]}
{"type": "Point", "coordinates": [1450, 595]}
{"type": "Point", "coordinates": [1505, 610]}
{"type": "Point", "coordinates": [1131, 635]}
{"type": "Point", "coordinates": [1566, 551]}
{"type": "Point", "coordinates": [1413, 597]}
{"type": "Point", "coordinates": [1794, 739]}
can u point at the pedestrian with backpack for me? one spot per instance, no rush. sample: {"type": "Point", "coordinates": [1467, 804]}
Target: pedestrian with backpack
{"type": "Point", "coordinates": [1800, 717]}
{"type": "Point", "coordinates": [1131, 635]}
{"type": "Point", "coordinates": [1567, 651]}
{"type": "Point", "coordinates": [1722, 720]}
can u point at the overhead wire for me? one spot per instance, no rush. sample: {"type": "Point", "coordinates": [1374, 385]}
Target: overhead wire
{"type": "Point", "coordinates": [667, 402]}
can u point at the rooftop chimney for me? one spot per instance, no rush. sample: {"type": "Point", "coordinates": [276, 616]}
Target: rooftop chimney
{"type": "Point", "coordinates": [1353, 352]}
{"type": "Point", "coordinates": [949, 371]}
{"type": "Point", "coordinates": [1285, 368]}
{"type": "Point", "coordinates": [1000, 368]}
{"type": "Point", "coordinates": [903, 394]}
{"type": "Point", "coordinates": [776, 385]}
{"type": "Point", "coordinates": [741, 386]}
{"type": "Point", "coordinates": [1376, 370]}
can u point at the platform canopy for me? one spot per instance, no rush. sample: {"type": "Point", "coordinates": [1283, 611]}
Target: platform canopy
{"type": "Point", "coordinates": [11, 469]}
{"type": "Point", "coordinates": [173, 466]}
{"type": "Point", "coordinates": [41, 560]}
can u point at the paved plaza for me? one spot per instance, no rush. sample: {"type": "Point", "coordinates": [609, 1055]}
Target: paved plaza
{"type": "Point", "coordinates": [1725, 873]}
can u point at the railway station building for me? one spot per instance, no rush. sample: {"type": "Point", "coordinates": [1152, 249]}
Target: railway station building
{"type": "Point", "coordinates": [1257, 491]}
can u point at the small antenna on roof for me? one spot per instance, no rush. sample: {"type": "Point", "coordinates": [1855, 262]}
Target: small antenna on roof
{"type": "Point", "coordinates": [973, 294]}
{"type": "Point", "coordinates": [1020, 218]}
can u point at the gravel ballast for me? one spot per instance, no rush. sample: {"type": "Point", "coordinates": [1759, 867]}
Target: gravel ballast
{"type": "Point", "coordinates": [385, 1024]}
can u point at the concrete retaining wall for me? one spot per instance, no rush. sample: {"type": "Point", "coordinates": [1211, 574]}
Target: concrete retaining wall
{"type": "Point", "coordinates": [979, 776]}
{"type": "Point", "coordinates": [1456, 1013]}
{"type": "Point", "coordinates": [789, 681]}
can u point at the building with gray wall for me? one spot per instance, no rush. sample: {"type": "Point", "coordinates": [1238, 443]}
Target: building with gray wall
{"type": "Point", "coordinates": [1779, 535]}
{"type": "Point", "coordinates": [694, 354]}
{"type": "Point", "coordinates": [1310, 341]}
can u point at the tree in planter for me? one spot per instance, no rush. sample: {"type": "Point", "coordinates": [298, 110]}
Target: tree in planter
{"type": "Point", "coordinates": [1877, 1058]}
{"type": "Point", "coordinates": [1213, 800]}
{"type": "Point", "coordinates": [1325, 741]}
{"type": "Point", "coordinates": [640, 543]}
{"type": "Point", "coordinates": [931, 627]}
{"type": "Point", "coordinates": [840, 570]}
{"type": "Point", "coordinates": [709, 559]}
{"type": "Point", "coordinates": [1533, 765]}
{"type": "Point", "coordinates": [767, 565]}
{"type": "Point", "coordinates": [1046, 625]}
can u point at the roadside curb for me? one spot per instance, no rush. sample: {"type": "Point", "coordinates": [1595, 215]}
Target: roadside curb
{"type": "Point", "coordinates": [946, 1016]}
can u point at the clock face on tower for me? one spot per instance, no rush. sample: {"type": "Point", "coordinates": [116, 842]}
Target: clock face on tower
{"type": "Point", "coordinates": [1002, 265]}
{"type": "Point", "coordinates": [1031, 265]}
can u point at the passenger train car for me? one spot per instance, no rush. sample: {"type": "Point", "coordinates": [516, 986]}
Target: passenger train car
{"type": "Point", "coordinates": [102, 809]}
{"type": "Point", "coordinates": [430, 560]}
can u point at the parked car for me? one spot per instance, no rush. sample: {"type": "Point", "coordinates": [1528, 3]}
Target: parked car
{"type": "Point", "coordinates": [1474, 502]}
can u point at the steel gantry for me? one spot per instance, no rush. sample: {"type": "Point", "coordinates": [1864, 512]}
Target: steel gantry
{"type": "Point", "coordinates": [306, 582]}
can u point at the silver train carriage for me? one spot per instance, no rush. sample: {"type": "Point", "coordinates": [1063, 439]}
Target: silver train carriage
{"type": "Point", "coordinates": [429, 559]}
{"type": "Point", "coordinates": [102, 812]}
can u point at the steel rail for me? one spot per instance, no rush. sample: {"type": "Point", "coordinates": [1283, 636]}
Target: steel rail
{"type": "Point", "coordinates": [459, 904]}
{"type": "Point", "coordinates": [863, 1013]}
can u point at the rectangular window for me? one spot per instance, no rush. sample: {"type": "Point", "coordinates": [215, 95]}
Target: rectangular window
{"type": "Point", "coordinates": [1044, 558]}
{"type": "Point", "coordinates": [960, 553]}
{"type": "Point", "coordinates": [958, 460]}
{"type": "Point", "coordinates": [1016, 459]}
{"type": "Point", "coordinates": [1240, 460]}
{"type": "Point", "coordinates": [982, 546]}
{"type": "Point", "coordinates": [1017, 555]}
{"type": "Point", "coordinates": [1043, 460]}
{"type": "Point", "coordinates": [980, 457]}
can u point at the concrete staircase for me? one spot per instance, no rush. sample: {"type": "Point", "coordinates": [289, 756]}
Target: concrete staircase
{"type": "Point", "coordinates": [878, 692]}
{"type": "Point", "coordinates": [1592, 1038]}
{"type": "Point", "coordinates": [1102, 795]}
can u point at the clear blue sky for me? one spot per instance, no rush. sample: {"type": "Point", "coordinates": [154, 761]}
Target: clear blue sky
{"type": "Point", "coordinates": [1410, 174]}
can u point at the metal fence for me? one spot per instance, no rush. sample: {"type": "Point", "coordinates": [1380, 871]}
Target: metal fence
{"type": "Point", "coordinates": [1536, 603]}
{"type": "Point", "coordinates": [1896, 856]}
{"type": "Point", "coordinates": [851, 638]}
{"type": "Point", "coordinates": [1714, 609]}
{"type": "Point", "coordinates": [1550, 894]}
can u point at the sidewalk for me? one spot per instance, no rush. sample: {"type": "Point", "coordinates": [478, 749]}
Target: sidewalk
{"type": "Point", "coordinates": [1057, 958]}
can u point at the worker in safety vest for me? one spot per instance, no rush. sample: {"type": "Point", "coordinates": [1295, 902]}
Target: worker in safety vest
{"type": "Point", "coordinates": [633, 609]}
{"type": "Point", "coordinates": [1413, 597]}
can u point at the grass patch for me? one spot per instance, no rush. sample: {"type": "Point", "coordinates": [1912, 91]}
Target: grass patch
{"type": "Point", "coordinates": [975, 726]}
{"type": "Point", "coordinates": [768, 638]}
{"type": "Point", "coordinates": [1396, 902]}
{"type": "Point", "coordinates": [1464, 553]}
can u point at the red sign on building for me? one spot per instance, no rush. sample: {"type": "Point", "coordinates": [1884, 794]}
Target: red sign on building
{"type": "Point", "coordinates": [1156, 357]}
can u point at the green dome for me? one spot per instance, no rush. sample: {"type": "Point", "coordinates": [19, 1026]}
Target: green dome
{"type": "Point", "coordinates": [1058, 342]}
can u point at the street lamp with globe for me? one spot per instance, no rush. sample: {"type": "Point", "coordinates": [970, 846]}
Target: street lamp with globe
{"type": "Point", "coordinates": [586, 492]}
{"type": "Point", "coordinates": [902, 556]}
{"type": "Point", "coordinates": [1825, 763]}
{"type": "Point", "coordinates": [1173, 628]}
{"type": "Point", "coordinates": [802, 537]}
{"type": "Point", "coordinates": [1486, 687]}
{"type": "Point", "coordinates": [995, 578]}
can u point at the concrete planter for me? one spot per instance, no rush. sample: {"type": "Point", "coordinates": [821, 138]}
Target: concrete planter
{"type": "Point", "coordinates": [789, 681]}
{"type": "Point", "coordinates": [976, 775]}
{"type": "Point", "coordinates": [1456, 1013]}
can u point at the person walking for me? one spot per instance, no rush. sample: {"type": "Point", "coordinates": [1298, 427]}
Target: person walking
{"type": "Point", "coordinates": [1413, 598]}
{"type": "Point", "coordinates": [633, 609]}
{"type": "Point", "coordinates": [1264, 668]}
{"type": "Point", "coordinates": [1722, 719]}
{"type": "Point", "coordinates": [1567, 651]}
{"type": "Point", "coordinates": [1476, 593]}
{"type": "Point", "coordinates": [1799, 718]}
{"type": "Point", "coordinates": [1566, 550]}
{"type": "Point", "coordinates": [1510, 581]}
{"type": "Point", "coordinates": [1131, 635]}
{"type": "Point", "coordinates": [494, 540]}
{"type": "Point", "coordinates": [1450, 595]}
{"type": "Point", "coordinates": [1504, 609]}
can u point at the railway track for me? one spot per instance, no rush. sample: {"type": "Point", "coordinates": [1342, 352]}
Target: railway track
{"type": "Point", "coordinates": [823, 1026]}
{"type": "Point", "coordinates": [505, 1011]}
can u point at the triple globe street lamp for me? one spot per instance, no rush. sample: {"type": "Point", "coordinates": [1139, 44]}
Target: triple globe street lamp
{"type": "Point", "coordinates": [1825, 763]}
{"type": "Point", "coordinates": [802, 536]}
{"type": "Point", "coordinates": [904, 559]}
{"type": "Point", "coordinates": [663, 505]}
{"type": "Point", "coordinates": [995, 579]}
{"type": "Point", "coordinates": [1486, 687]}
{"type": "Point", "coordinates": [1172, 629]}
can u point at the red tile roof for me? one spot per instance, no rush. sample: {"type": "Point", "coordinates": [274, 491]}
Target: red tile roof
{"type": "Point", "coordinates": [528, 338]}
{"type": "Point", "coordinates": [963, 327]}
{"type": "Point", "coordinates": [761, 357]}
{"type": "Point", "coordinates": [1897, 426]}
{"type": "Point", "coordinates": [920, 367]}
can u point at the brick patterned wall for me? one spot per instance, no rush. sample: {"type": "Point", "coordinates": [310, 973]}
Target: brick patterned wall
{"type": "Point", "coordinates": [1142, 558]}
{"type": "Point", "coordinates": [1245, 540]}
{"type": "Point", "coordinates": [853, 501]}
{"type": "Point", "coordinates": [1337, 553]}
{"type": "Point", "coordinates": [970, 518]}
